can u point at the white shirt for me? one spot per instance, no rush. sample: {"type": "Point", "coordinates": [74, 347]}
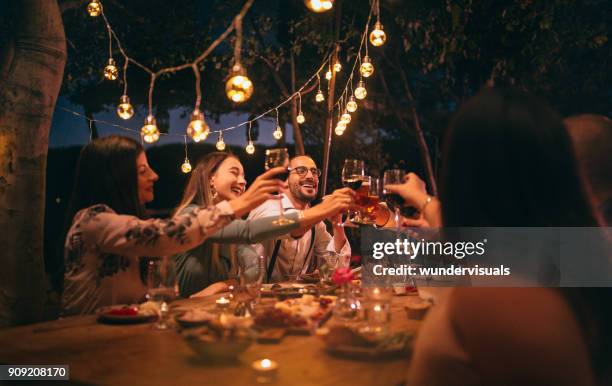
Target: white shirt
{"type": "Point", "coordinates": [294, 257]}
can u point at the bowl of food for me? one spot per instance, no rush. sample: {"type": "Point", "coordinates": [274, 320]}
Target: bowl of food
{"type": "Point", "coordinates": [217, 342]}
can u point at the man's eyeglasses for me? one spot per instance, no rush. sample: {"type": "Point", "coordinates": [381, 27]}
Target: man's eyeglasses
{"type": "Point", "coordinates": [303, 170]}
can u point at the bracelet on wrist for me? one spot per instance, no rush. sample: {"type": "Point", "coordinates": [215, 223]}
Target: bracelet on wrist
{"type": "Point", "coordinates": [427, 201]}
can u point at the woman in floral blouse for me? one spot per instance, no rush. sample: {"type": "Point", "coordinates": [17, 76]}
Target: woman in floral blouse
{"type": "Point", "coordinates": [107, 234]}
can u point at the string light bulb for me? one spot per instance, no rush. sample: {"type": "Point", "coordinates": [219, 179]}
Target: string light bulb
{"type": "Point", "coordinates": [319, 6]}
{"type": "Point", "coordinates": [328, 75]}
{"type": "Point", "coordinates": [220, 144]}
{"type": "Point", "coordinates": [186, 166]}
{"type": "Point", "coordinates": [150, 132]}
{"type": "Point", "coordinates": [351, 105]}
{"type": "Point", "coordinates": [238, 87]}
{"type": "Point", "coordinates": [197, 129]}
{"type": "Point", "coordinates": [300, 118]}
{"type": "Point", "coordinates": [337, 67]}
{"type": "Point", "coordinates": [367, 68]}
{"type": "Point", "coordinates": [94, 8]}
{"type": "Point", "coordinates": [110, 71]}
{"type": "Point", "coordinates": [346, 118]}
{"type": "Point", "coordinates": [378, 36]}
{"type": "Point", "coordinates": [339, 130]}
{"type": "Point", "coordinates": [319, 97]}
{"type": "Point", "coordinates": [125, 109]}
{"type": "Point", "coordinates": [360, 91]}
{"type": "Point", "coordinates": [278, 133]}
{"type": "Point", "coordinates": [250, 148]}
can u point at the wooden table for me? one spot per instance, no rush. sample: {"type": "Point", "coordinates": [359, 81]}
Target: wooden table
{"type": "Point", "coordinates": [140, 355]}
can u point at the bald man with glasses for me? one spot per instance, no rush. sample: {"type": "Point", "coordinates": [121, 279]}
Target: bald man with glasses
{"type": "Point", "coordinates": [301, 252]}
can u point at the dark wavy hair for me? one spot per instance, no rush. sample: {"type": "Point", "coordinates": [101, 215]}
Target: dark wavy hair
{"type": "Point", "coordinates": [508, 161]}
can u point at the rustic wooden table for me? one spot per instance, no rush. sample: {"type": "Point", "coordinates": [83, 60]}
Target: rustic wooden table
{"type": "Point", "coordinates": [140, 355]}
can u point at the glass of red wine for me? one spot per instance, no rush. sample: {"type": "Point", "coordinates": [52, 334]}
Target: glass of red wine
{"type": "Point", "coordinates": [352, 176]}
{"type": "Point", "coordinates": [274, 158]}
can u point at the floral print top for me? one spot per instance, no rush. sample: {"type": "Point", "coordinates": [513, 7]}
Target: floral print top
{"type": "Point", "coordinates": [102, 251]}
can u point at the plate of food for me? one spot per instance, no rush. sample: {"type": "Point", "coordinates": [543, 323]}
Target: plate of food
{"type": "Point", "coordinates": [300, 315]}
{"type": "Point", "coordinates": [357, 343]}
{"type": "Point", "coordinates": [129, 313]}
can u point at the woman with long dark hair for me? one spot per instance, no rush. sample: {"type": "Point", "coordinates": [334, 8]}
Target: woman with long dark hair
{"type": "Point", "coordinates": [212, 266]}
{"type": "Point", "coordinates": [508, 162]}
{"type": "Point", "coordinates": [107, 232]}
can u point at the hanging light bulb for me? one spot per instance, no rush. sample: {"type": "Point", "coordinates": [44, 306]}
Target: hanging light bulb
{"type": "Point", "coordinates": [339, 130]}
{"type": "Point", "coordinates": [351, 105]}
{"type": "Point", "coordinates": [220, 144]}
{"type": "Point", "coordinates": [250, 148]}
{"type": "Point", "coordinates": [197, 129]}
{"type": "Point", "coordinates": [360, 91]}
{"type": "Point", "coordinates": [238, 87]}
{"type": "Point", "coordinates": [110, 71]}
{"type": "Point", "coordinates": [125, 109]}
{"type": "Point", "coordinates": [150, 132]}
{"type": "Point", "coordinates": [337, 67]}
{"type": "Point", "coordinates": [346, 118]}
{"type": "Point", "coordinates": [319, 97]}
{"type": "Point", "coordinates": [366, 68]}
{"type": "Point", "coordinates": [300, 118]}
{"type": "Point", "coordinates": [186, 166]}
{"type": "Point", "coordinates": [94, 8]}
{"type": "Point", "coordinates": [319, 5]}
{"type": "Point", "coordinates": [328, 75]}
{"type": "Point", "coordinates": [378, 36]}
{"type": "Point", "coordinates": [278, 133]}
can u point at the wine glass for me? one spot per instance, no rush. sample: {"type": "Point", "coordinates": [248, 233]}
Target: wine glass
{"type": "Point", "coordinates": [394, 200]}
{"type": "Point", "coordinates": [161, 286]}
{"type": "Point", "coordinates": [352, 173]}
{"type": "Point", "coordinates": [274, 158]}
{"type": "Point", "coordinates": [367, 201]}
{"type": "Point", "coordinates": [251, 272]}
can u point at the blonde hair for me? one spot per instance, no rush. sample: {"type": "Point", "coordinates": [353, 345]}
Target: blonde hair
{"type": "Point", "coordinates": [199, 191]}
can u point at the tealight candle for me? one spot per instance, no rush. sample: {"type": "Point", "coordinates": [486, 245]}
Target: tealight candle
{"type": "Point", "coordinates": [222, 303]}
{"type": "Point", "coordinates": [265, 370]}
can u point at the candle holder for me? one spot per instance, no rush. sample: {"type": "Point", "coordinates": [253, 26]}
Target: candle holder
{"type": "Point", "coordinates": [222, 303]}
{"type": "Point", "coordinates": [265, 370]}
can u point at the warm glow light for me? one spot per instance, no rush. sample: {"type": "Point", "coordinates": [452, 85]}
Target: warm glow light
{"type": "Point", "coordinates": [366, 68]}
{"type": "Point", "coordinates": [319, 97]}
{"type": "Point", "coordinates": [339, 130]}
{"type": "Point", "coordinates": [378, 36]}
{"type": "Point", "coordinates": [186, 166]}
{"type": "Point", "coordinates": [238, 87]}
{"type": "Point", "coordinates": [220, 143]}
{"type": "Point", "coordinates": [300, 118]}
{"type": "Point", "coordinates": [346, 118]}
{"type": "Point", "coordinates": [351, 105]}
{"type": "Point", "coordinates": [150, 132]}
{"type": "Point", "coordinates": [328, 75]}
{"type": "Point", "coordinates": [360, 91]}
{"type": "Point", "coordinates": [319, 5]}
{"type": "Point", "coordinates": [125, 109]}
{"type": "Point", "coordinates": [337, 67]}
{"type": "Point", "coordinates": [278, 133]}
{"type": "Point", "coordinates": [110, 71]}
{"type": "Point", "coordinates": [94, 8]}
{"type": "Point", "coordinates": [197, 129]}
{"type": "Point", "coordinates": [250, 148]}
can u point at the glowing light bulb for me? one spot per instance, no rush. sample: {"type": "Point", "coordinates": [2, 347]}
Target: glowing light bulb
{"type": "Point", "coordinates": [300, 118]}
{"type": "Point", "coordinates": [319, 97]}
{"type": "Point", "coordinates": [238, 87]}
{"type": "Point", "coordinates": [150, 132]}
{"type": "Point", "coordinates": [125, 109]}
{"type": "Point", "coordinates": [250, 148]}
{"type": "Point", "coordinates": [278, 133]}
{"type": "Point", "coordinates": [339, 130]}
{"type": "Point", "coordinates": [110, 71]}
{"type": "Point", "coordinates": [186, 166]}
{"type": "Point", "coordinates": [197, 129]}
{"type": "Point", "coordinates": [378, 36]}
{"type": "Point", "coordinates": [319, 5]}
{"type": "Point", "coordinates": [94, 8]}
{"type": "Point", "coordinates": [360, 91]}
{"type": "Point", "coordinates": [366, 68]}
{"type": "Point", "coordinates": [346, 118]}
{"type": "Point", "coordinates": [328, 75]}
{"type": "Point", "coordinates": [351, 105]}
{"type": "Point", "coordinates": [337, 67]}
{"type": "Point", "coordinates": [220, 144]}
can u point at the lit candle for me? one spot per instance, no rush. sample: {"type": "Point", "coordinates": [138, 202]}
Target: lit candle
{"type": "Point", "coordinates": [265, 370]}
{"type": "Point", "coordinates": [222, 303]}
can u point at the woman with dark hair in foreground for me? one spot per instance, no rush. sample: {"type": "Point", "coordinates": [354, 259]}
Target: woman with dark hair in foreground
{"type": "Point", "coordinates": [107, 234]}
{"type": "Point", "coordinates": [508, 162]}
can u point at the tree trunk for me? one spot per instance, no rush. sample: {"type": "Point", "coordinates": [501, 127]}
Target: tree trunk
{"type": "Point", "coordinates": [32, 70]}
